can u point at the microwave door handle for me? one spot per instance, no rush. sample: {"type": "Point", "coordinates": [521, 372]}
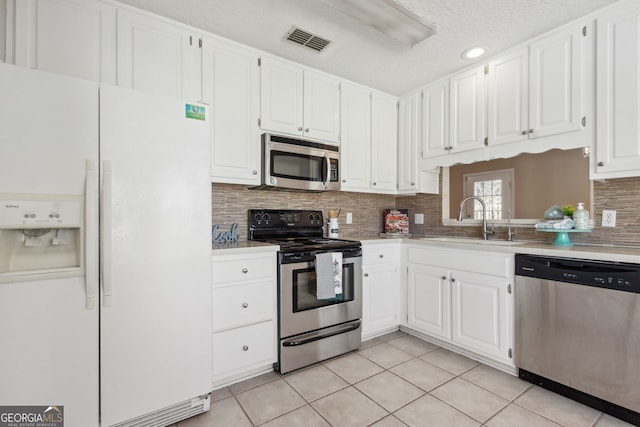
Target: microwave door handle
{"type": "Point", "coordinates": [327, 170]}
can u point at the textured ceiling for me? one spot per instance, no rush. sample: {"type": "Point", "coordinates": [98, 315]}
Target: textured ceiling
{"type": "Point", "coordinates": [361, 53]}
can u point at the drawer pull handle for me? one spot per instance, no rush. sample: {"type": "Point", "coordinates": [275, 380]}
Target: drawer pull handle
{"type": "Point", "coordinates": [245, 305]}
{"type": "Point", "coordinates": [245, 270]}
{"type": "Point", "coordinates": [245, 348]}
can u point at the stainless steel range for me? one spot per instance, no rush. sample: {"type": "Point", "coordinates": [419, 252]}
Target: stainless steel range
{"type": "Point", "coordinates": [319, 286]}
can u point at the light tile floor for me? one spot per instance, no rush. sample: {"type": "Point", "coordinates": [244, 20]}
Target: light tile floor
{"type": "Point", "coordinates": [395, 380]}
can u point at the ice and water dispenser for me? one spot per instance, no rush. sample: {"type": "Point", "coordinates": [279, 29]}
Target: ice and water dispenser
{"type": "Point", "coordinates": [40, 235]}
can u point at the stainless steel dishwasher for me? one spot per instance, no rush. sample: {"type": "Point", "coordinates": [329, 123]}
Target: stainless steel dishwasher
{"type": "Point", "coordinates": [578, 330]}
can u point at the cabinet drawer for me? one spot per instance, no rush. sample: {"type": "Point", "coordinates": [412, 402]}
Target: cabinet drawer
{"type": "Point", "coordinates": [232, 270]}
{"type": "Point", "coordinates": [493, 263]}
{"type": "Point", "coordinates": [376, 254]}
{"type": "Point", "coordinates": [241, 349]}
{"type": "Point", "coordinates": [242, 304]}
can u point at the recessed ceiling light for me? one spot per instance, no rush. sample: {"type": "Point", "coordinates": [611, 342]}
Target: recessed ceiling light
{"type": "Point", "coordinates": [473, 52]}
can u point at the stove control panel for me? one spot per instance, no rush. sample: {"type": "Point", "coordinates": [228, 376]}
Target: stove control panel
{"type": "Point", "coordinates": [284, 218]}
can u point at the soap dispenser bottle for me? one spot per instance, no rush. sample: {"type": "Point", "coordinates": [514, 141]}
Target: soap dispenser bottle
{"type": "Point", "coordinates": [581, 217]}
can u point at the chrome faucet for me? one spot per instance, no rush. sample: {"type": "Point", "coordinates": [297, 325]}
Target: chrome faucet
{"type": "Point", "coordinates": [510, 233]}
{"type": "Point", "coordinates": [485, 233]}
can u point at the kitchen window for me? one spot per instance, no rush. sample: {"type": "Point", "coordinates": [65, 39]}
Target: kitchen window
{"type": "Point", "coordinates": [495, 188]}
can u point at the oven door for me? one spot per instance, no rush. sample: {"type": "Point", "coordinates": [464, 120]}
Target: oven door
{"type": "Point", "coordinates": [301, 311]}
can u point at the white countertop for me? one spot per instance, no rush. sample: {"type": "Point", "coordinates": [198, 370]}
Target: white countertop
{"type": "Point", "coordinates": [594, 252]}
{"type": "Point", "coordinates": [243, 246]}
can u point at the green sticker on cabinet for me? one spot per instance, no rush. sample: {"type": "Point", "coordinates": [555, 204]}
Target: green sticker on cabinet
{"type": "Point", "coordinates": [195, 112]}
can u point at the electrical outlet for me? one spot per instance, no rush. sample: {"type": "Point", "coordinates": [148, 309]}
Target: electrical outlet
{"type": "Point", "coordinates": [419, 218]}
{"type": "Point", "coordinates": [349, 218]}
{"type": "Point", "coordinates": [608, 218]}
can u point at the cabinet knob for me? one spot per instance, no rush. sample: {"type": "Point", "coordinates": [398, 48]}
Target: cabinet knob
{"type": "Point", "coordinates": [524, 132]}
{"type": "Point", "coordinates": [245, 270]}
{"type": "Point", "coordinates": [245, 348]}
{"type": "Point", "coordinates": [373, 183]}
{"type": "Point", "coordinates": [300, 128]}
{"type": "Point", "coordinates": [600, 163]}
{"type": "Point", "coordinates": [381, 256]}
{"type": "Point", "coordinates": [306, 130]}
{"type": "Point", "coordinates": [344, 180]}
{"type": "Point", "coordinates": [453, 280]}
{"type": "Point", "coordinates": [532, 130]}
{"type": "Point", "coordinates": [366, 274]}
{"type": "Point", "coordinates": [444, 277]}
{"type": "Point", "coordinates": [254, 172]}
{"type": "Point", "coordinates": [413, 184]}
{"type": "Point", "coordinates": [245, 305]}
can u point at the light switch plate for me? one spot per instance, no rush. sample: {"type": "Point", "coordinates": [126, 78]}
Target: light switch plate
{"type": "Point", "coordinates": [608, 218]}
{"type": "Point", "coordinates": [349, 218]}
{"type": "Point", "coordinates": [419, 218]}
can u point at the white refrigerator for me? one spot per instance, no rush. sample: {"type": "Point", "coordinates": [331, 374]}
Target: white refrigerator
{"type": "Point", "coordinates": [105, 244]}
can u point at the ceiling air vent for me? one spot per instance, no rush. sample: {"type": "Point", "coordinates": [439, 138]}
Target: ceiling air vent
{"type": "Point", "coordinates": [305, 38]}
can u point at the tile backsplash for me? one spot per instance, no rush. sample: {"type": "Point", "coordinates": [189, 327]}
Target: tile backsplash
{"type": "Point", "coordinates": [231, 202]}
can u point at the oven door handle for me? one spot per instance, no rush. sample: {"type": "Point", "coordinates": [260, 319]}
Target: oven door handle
{"type": "Point", "coordinates": [344, 329]}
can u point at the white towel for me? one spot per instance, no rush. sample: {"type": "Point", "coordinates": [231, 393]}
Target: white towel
{"type": "Point", "coordinates": [328, 275]}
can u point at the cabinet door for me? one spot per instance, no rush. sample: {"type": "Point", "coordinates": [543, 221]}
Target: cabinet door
{"type": "Point", "coordinates": [355, 144]}
{"type": "Point", "coordinates": [467, 110]}
{"type": "Point", "coordinates": [508, 98]}
{"type": "Point", "coordinates": [72, 37]}
{"type": "Point", "coordinates": [618, 92]}
{"type": "Point", "coordinates": [556, 83]}
{"type": "Point", "coordinates": [281, 100]}
{"type": "Point", "coordinates": [408, 135]}
{"type": "Point", "coordinates": [380, 298]}
{"type": "Point", "coordinates": [479, 313]}
{"type": "Point", "coordinates": [429, 300]}
{"type": "Point", "coordinates": [158, 56]}
{"type": "Point", "coordinates": [384, 142]}
{"type": "Point", "coordinates": [435, 119]}
{"type": "Point", "coordinates": [321, 106]}
{"type": "Point", "coordinates": [230, 85]}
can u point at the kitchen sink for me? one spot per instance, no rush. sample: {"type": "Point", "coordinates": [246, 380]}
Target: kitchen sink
{"type": "Point", "coordinates": [472, 241]}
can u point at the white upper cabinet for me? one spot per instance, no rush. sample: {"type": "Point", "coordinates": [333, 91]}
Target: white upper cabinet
{"type": "Point", "coordinates": [555, 82]}
{"type": "Point", "coordinates": [355, 145]}
{"type": "Point", "coordinates": [282, 98]}
{"type": "Point", "coordinates": [618, 93]}
{"type": "Point", "coordinates": [536, 91]}
{"type": "Point", "coordinates": [435, 119]}
{"type": "Point", "coordinates": [231, 86]}
{"type": "Point", "coordinates": [299, 101]}
{"type": "Point", "coordinates": [72, 37]}
{"type": "Point", "coordinates": [408, 139]}
{"type": "Point", "coordinates": [467, 110]}
{"type": "Point", "coordinates": [158, 56]}
{"type": "Point", "coordinates": [321, 106]}
{"type": "Point", "coordinates": [508, 97]}
{"type": "Point", "coordinates": [384, 142]}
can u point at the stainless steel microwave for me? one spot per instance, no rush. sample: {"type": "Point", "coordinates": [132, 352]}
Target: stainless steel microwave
{"type": "Point", "coordinates": [293, 163]}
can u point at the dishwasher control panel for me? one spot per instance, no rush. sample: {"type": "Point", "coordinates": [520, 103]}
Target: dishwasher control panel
{"type": "Point", "coordinates": [602, 274]}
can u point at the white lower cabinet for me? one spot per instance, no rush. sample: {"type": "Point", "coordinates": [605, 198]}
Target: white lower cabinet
{"type": "Point", "coordinates": [380, 289]}
{"type": "Point", "coordinates": [244, 316]}
{"type": "Point", "coordinates": [463, 298]}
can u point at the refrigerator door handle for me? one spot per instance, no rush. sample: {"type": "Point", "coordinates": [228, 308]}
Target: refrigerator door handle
{"type": "Point", "coordinates": [90, 233]}
{"type": "Point", "coordinates": [107, 285]}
